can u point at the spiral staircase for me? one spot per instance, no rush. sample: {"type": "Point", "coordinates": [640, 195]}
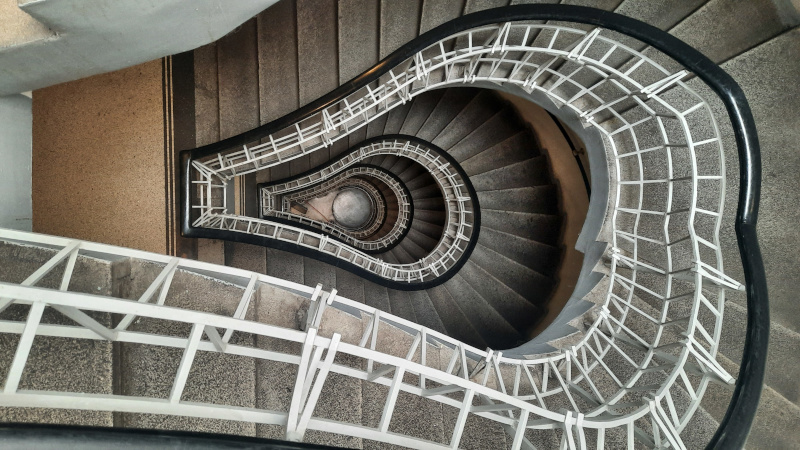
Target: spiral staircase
{"type": "Point", "coordinates": [431, 340]}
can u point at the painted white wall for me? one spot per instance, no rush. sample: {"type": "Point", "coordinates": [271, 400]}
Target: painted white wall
{"type": "Point", "coordinates": [96, 36]}
{"type": "Point", "coordinates": [16, 123]}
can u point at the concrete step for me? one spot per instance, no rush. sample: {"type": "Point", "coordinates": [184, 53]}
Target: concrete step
{"type": "Point", "coordinates": [544, 228]}
{"type": "Point", "coordinates": [518, 311]}
{"type": "Point", "coordinates": [453, 318]}
{"type": "Point", "coordinates": [435, 218]}
{"type": "Point", "coordinates": [451, 103]}
{"type": "Point", "coordinates": [533, 172]}
{"type": "Point", "coordinates": [531, 200]}
{"type": "Point", "coordinates": [277, 68]}
{"type": "Point", "coordinates": [429, 230]}
{"type": "Point", "coordinates": [424, 311]}
{"type": "Point", "coordinates": [489, 132]}
{"type": "Point", "coordinates": [481, 108]}
{"type": "Point", "coordinates": [517, 148]}
{"type": "Point", "coordinates": [350, 285]}
{"type": "Point", "coordinates": [285, 265]}
{"type": "Point", "coordinates": [437, 12]}
{"type": "Point", "coordinates": [399, 24]}
{"type": "Point", "coordinates": [376, 296]}
{"type": "Point", "coordinates": [428, 191]}
{"type": "Point", "coordinates": [528, 283]}
{"type": "Point", "coordinates": [493, 328]}
{"type": "Point", "coordinates": [53, 363]}
{"type": "Point", "coordinates": [421, 239]}
{"type": "Point", "coordinates": [401, 305]}
{"type": "Point", "coordinates": [537, 256]}
{"type": "Point", "coordinates": [149, 371]}
{"type": "Point", "coordinates": [414, 250]}
{"type": "Point", "coordinates": [421, 109]}
{"type": "Point", "coordinates": [402, 256]}
{"type": "Point", "coordinates": [396, 117]}
{"type": "Point", "coordinates": [315, 272]}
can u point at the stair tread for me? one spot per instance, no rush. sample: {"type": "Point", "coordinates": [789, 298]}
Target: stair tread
{"type": "Point", "coordinates": [489, 132]}
{"type": "Point", "coordinates": [494, 329]}
{"type": "Point", "coordinates": [376, 296]}
{"type": "Point", "coordinates": [451, 103]}
{"type": "Point", "coordinates": [533, 172]}
{"type": "Point", "coordinates": [401, 305]}
{"type": "Point", "coordinates": [424, 311]}
{"type": "Point", "coordinates": [421, 109]}
{"type": "Point", "coordinates": [453, 318]}
{"type": "Point", "coordinates": [480, 109]}
{"type": "Point", "coordinates": [534, 199]}
{"type": "Point", "coordinates": [539, 257]}
{"type": "Point", "coordinates": [532, 285]}
{"type": "Point", "coordinates": [544, 228]}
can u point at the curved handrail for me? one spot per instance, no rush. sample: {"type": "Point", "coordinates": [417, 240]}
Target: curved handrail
{"type": "Point", "coordinates": [741, 411]}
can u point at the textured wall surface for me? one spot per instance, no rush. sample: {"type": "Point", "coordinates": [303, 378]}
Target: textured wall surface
{"type": "Point", "coordinates": [15, 171]}
{"type": "Point", "coordinates": [98, 159]}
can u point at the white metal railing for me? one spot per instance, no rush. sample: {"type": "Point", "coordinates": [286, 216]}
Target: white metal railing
{"type": "Point", "coordinates": [524, 396]}
{"type": "Point", "coordinates": [276, 201]}
{"type": "Point", "coordinates": [658, 328]}
{"type": "Point", "coordinates": [447, 253]}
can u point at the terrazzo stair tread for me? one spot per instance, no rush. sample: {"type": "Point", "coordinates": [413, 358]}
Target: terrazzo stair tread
{"type": "Point", "coordinates": [395, 118]}
{"type": "Point", "coordinates": [479, 433]}
{"type": "Point", "coordinates": [437, 12]}
{"type": "Point", "coordinates": [479, 5]}
{"type": "Point", "coordinates": [663, 15]}
{"type": "Point", "coordinates": [451, 103]}
{"type": "Point", "coordinates": [401, 305]}
{"type": "Point", "coordinates": [517, 148]}
{"type": "Point", "coordinates": [317, 62]}
{"type": "Point", "coordinates": [533, 172]}
{"type": "Point", "coordinates": [435, 218]}
{"type": "Point", "coordinates": [429, 191]}
{"type": "Point", "coordinates": [400, 165]}
{"type": "Point", "coordinates": [421, 109]}
{"type": "Point", "coordinates": [544, 228]}
{"type": "Point", "coordinates": [277, 68]}
{"type": "Point", "coordinates": [389, 257]}
{"type": "Point", "coordinates": [424, 311]}
{"type": "Point", "coordinates": [318, 272]}
{"type": "Point", "coordinates": [403, 257]}
{"type": "Point", "coordinates": [420, 239]}
{"type": "Point", "coordinates": [77, 365]}
{"type": "Point", "coordinates": [286, 265]}
{"type": "Point", "coordinates": [350, 285]}
{"type": "Point", "coordinates": [482, 108]}
{"type": "Point", "coordinates": [376, 126]}
{"type": "Point", "coordinates": [493, 327]}
{"type": "Point", "coordinates": [528, 283]}
{"type": "Point", "coordinates": [246, 256]}
{"type": "Point", "coordinates": [376, 296]}
{"type": "Point", "coordinates": [532, 200]}
{"type": "Point", "coordinates": [396, 32]}
{"type": "Point", "coordinates": [423, 179]}
{"type": "Point", "coordinates": [414, 250]}
{"type": "Point", "coordinates": [429, 204]}
{"type": "Point", "coordinates": [539, 257]}
{"type": "Point", "coordinates": [518, 311]}
{"type": "Point", "coordinates": [389, 161]}
{"type": "Point", "coordinates": [414, 416]}
{"type": "Point", "coordinates": [411, 172]}
{"type": "Point", "coordinates": [358, 39]}
{"type": "Point", "coordinates": [493, 130]}
{"type": "Point", "coordinates": [453, 318]}
{"type": "Point", "coordinates": [430, 230]}
{"type": "Point", "coordinates": [237, 72]}
{"type": "Point", "coordinates": [149, 371]}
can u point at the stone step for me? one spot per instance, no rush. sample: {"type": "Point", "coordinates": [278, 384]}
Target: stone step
{"type": "Point", "coordinates": [421, 109]}
{"type": "Point", "coordinates": [451, 103]}
{"type": "Point", "coordinates": [487, 132]}
{"type": "Point", "coordinates": [533, 172]}
{"type": "Point", "coordinates": [544, 228]}
{"type": "Point", "coordinates": [539, 257]}
{"type": "Point", "coordinates": [55, 363]}
{"type": "Point", "coordinates": [376, 296]}
{"type": "Point", "coordinates": [531, 200]}
{"type": "Point", "coordinates": [424, 311]}
{"type": "Point", "coordinates": [517, 148]}
{"type": "Point", "coordinates": [533, 286]}
{"type": "Point", "coordinates": [481, 108]}
{"type": "Point", "coordinates": [493, 328]}
{"type": "Point", "coordinates": [401, 305]}
{"type": "Point", "coordinates": [453, 318]}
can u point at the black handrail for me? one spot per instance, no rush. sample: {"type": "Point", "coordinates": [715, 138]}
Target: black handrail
{"type": "Point", "coordinates": [738, 419]}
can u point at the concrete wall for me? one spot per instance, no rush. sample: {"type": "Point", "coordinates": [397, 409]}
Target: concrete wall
{"type": "Point", "coordinates": [15, 162]}
{"type": "Point", "coordinates": [78, 38]}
